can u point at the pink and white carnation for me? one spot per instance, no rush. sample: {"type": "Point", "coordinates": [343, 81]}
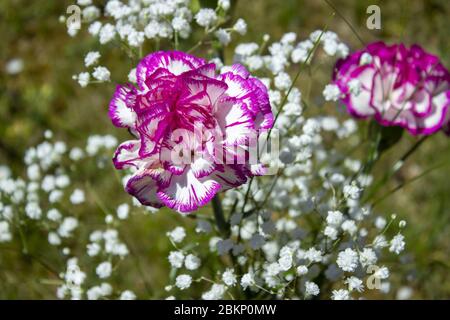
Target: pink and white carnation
{"type": "Point", "coordinates": [396, 85]}
{"type": "Point", "coordinates": [193, 129]}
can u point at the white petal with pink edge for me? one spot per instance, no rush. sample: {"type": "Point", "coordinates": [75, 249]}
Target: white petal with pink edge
{"type": "Point", "coordinates": [186, 193]}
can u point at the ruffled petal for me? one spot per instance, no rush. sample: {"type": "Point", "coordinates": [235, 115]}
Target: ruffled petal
{"type": "Point", "coordinates": [186, 193]}
{"type": "Point", "coordinates": [231, 176]}
{"type": "Point", "coordinates": [143, 187]}
{"type": "Point", "coordinates": [173, 61]}
{"type": "Point", "coordinates": [121, 106]}
{"type": "Point", "coordinates": [235, 121]}
{"type": "Point", "coordinates": [127, 155]}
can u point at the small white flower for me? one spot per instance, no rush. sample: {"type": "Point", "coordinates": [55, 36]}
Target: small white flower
{"type": "Point", "coordinates": [67, 226]}
{"type": "Point", "coordinates": [206, 17]}
{"type": "Point", "coordinates": [176, 259]}
{"type": "Point", "coordinates": [285, 262]}
{"type": "Point", "coordinates": [367, 257]}
{"type": "Point", "coordinates": [183, 281]}
{"type": "Point", "coordinates": [380, 242]}
{"type": "Point", "coordinates": [5, 234]}
{"type": "Point", "coordinates": [355, 283]}
{"type": "Point", "coordinates": [313, 255]}
{"type": "Point", "coordinates": [340, 294]}
{"type": "Point", "coordinates": [101, 74]}
{"type": "Point", "coordinates": [107, 33]}
{"type": "Point", "coordinates": [94, 28]}
{"type": "Point", "coordinates": [330, 232]}
{"type": "Point", "coordinates": [77, 196]}
{"type": "Point", "coordinates": [273, 269]}
{"type": "Point", "coordinates": [135, 38]}
{"type": "Point", "coordinates": [382, 273]}
{"type": "Point", "coordinates": [224, 4]}
{"type": "Point", "coordinates": [223, 36]}
{"type": "Point", "coordinates": [349, 226]}
{"type": "Point", "coordinates": [335, 218]}
{"type": "Point", "coordinates": [397, 244]}
{"type": "Point", "coordinates": [33, 210]}
{"type": "Point", "coordinates": [104, 270]}
{"type": "Point", "coordinates": [192, 262]}
{"type": "Point", "coordinates": [302, 270]}
{"type": "Point", "coordinates": [127, 295]}
{"type": "Point", "coordinates": [91, 58]}
{"type": "Point", "coordinates": [83, 79]}
{"type": "Point", "coordinates": [180, 24]}
{"type": "Point", "coordinates": [247, 280]}
{"type": "Point", "coordinates": [84, 2]}
{"type": "Point", "coordinates": [93, 249]}
{"type": "Point", "coordinates": [311, 289]}
{"type": "Point", "coordinates": [347, 260]}
{"type": "Point", "coordinates": [404, 293]}
{"type": "Point", "coordinates": [54, 215]}
{"type": "Point", "coordinates": [380, 223]}
{"type": "Point", "coordinates": [215, 293]}
{"type": "Point", "coordinates": [14, 66]}
{"type": "Point", "coordinates": [53, 239]}
{"type": "Point", "coordinates": [123, 211]}
{"type": "Point", "coordinates": [33, 172]}
{"type": "Point", "coordinates": [177, 235]}
{"type": "Point", "coordinates": [240, 27]}
{"type": "Point", "coordinates": [229, 277]}
{"type": "Point", "coordinates": [351, 191]}
{"type": "Point", "coordinates": [331, 92]}
{"type": "Point", "coordinates": [76, 154]}
{"type": "Point", "coordinates": [282, 81]}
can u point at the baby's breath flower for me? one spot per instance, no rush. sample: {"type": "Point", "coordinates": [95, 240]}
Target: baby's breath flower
{"type": "Point", "coordinates": [91, 58]}
{"type": "Point", "coordinates": [183, 281]}
{"type": "Point", "coordinates": [340, 294]}
{"type": "Point", "coordinates": [192, 262]}
{"type": "Point", "coordinates": [397, 244]}
{"type": "Point", "coordinates": [311, 289]}
{"type": "Point", "coordinates": [176, 259]}
{"type": "Point", "coordinates": [240, 27]}
{"type": "Point", "coordinates": [77, 197]}
{"type": "Point", "coordinates": [229, 277]}
{"type": "Point", "coordinates": [101, 74]}
{"type": "Point", "coordinates": [331, 92]}
{"type": "Point", "coordinates": [177, 235]}
{"type": "Point", "coordinates": [104, 270]}
{"type": "Point", "coordinates": [347, 260]}
{"type": "Point", "coordinates": [206, 17]}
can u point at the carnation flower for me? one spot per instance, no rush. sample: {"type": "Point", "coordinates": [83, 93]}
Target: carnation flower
{"type": "Point", "coordinates": [193, 129]}
{"type": "Point", "coordinates": [399, 86]}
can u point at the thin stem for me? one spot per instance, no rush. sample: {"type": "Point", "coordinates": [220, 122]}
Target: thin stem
{"type": "Point", "coordinates": [346, 21]}
{"type": "Point", "coordinates": [222, 224]}
{"type": "Point", "coordinates": [283, 102]}
{"type": "Point", "coordinates": [400, 186]}
{"type": "Point", "coordinates": [397, 166]}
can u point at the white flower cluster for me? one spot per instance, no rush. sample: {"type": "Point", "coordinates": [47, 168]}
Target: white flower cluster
{"type": "Point", "coordinates": [288, 51]}
{"type": "Point", "coordinates": [130, 23]}
{"type": "Point", "coordinates": [38, 201]}
{"type": "Point", "coordinates": [306, 222]}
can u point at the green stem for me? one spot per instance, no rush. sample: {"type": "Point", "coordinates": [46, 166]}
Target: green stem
{"type": "Point", "coordinates": [222, 224]}
{"type": "Point", "coordinates": [395, 168]}
{"type": "Point", "coordinates": [400, 186]}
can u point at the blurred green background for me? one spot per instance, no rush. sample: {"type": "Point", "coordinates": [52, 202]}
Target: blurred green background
{"type": "Point", "coordinates": [44, 96]}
